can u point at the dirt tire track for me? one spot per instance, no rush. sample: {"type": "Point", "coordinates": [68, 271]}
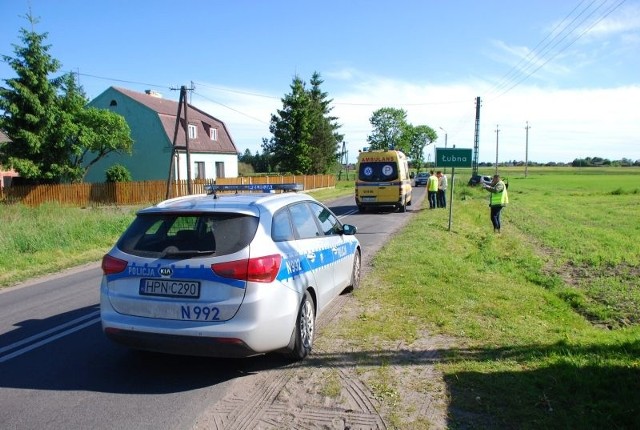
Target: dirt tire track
{"type": "Point", "coordinates": [272, 399]}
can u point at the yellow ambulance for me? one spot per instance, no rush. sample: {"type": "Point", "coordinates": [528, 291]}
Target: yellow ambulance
{"type": "Point", "coordinates": [383, 180]}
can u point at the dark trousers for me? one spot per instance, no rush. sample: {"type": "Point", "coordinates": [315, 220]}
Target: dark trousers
{"type": "Point", "coordinates": [442, 198]}
{"type": "Point", "coordinates": [495, 217]}
{"type": "Point", "coordinates": [432, 199]}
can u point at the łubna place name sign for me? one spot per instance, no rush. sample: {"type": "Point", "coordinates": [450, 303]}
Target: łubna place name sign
{"type": "Point", "coordinates": [453, 157]}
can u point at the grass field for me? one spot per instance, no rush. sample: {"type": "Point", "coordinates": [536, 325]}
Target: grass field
{"type": "Point", "coordinates": [545, 315]}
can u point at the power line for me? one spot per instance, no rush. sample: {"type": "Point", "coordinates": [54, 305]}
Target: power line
{"type": "Point", "coordinates": [237, 91]}
{"type": "Point", "coordinates": [122, 80]}
{"type": "Point", "coordinates": [513, 72]}
{"type": "Point", "coordinates": [563, 49]}
{"type": "Point", "coordinates": [556, 40]}
{"type": "Point", "coordinates": [230, 108]}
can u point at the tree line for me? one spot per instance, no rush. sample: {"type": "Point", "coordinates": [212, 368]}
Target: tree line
{"type": "Point", "coordinates": [305, 138]}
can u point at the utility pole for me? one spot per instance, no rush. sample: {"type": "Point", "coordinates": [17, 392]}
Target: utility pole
{"type": "Point", "coordinates": [344, 161]}
{"type": "Point", "coordinates": [182, 104]}
{"type": "Point", "coordinates": [183, 97]}
{"type": "Point", "coordinates": [476, 142]}
{"type": "Point", "coordinates": [497, 134]}
{"type": "Point", "coordinates": [526, 151]}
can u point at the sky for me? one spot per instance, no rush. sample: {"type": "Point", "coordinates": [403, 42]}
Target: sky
{"type": "Point", "coordinates": [557, 79]}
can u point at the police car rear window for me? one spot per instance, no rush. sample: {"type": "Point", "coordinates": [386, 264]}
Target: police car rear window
{"type": "Point", "coordinates": [378, 171]}
{"type": "Point", "coordinates": [179, 236]}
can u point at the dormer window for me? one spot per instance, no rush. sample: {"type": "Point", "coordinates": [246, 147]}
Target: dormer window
{"type": "Point", "coordinates": [213, 134]}
{"type": "Point", "coordinates": [193, 132]}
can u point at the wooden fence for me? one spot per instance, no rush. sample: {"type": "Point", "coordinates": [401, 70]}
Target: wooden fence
{"type": "Point", "coordinates": [134, 193]}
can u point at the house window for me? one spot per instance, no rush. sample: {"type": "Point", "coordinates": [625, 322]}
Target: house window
{"type": "Point", "coordinates": [219, 169]}
{"type": "Point", "coordinates": [200, 174]}
{"type": "Point", "coordinates": [193, 132]}
{"type": "Point", "coordinates": [213, 133]}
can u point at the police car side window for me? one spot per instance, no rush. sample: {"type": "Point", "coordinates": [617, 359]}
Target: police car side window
{"type": "Point", "coordinates": [304, 221]}
{"type": "Point", "coordinates": [328, 222]}
{"type": "Point", "coordinates": [281, 229]}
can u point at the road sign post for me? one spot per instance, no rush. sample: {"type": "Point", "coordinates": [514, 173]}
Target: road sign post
{"type": "Point", "coordinates": [453, 157]}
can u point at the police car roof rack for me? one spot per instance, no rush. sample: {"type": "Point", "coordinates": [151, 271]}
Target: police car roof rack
{"type": "Point", "coordinates": [214, 189]}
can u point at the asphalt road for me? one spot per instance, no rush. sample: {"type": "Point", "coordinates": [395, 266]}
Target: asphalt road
{"type": "Point", "coordinates": [57, 370]}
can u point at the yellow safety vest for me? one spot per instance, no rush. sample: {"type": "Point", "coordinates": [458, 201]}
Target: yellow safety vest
{"type": "Point", "coordinates": [433, 183]}
{"type": "Point", "coordinates": [499, 198]}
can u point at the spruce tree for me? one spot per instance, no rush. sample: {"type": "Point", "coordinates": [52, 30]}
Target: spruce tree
{"type": "Point", "coordinates": [291, 127]}
{"type": "Point", "coordinates": [29, 108]}
{"type": "Point", "coordinates": [325, 136]}
{"type": "Point", "coordinates": [304, 135]}
{"type": "Point", "coordinates": [54, 136]}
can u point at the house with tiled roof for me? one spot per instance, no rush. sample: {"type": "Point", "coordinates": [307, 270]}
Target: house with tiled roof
{"type": "Point", "coordinates": [152, 120]}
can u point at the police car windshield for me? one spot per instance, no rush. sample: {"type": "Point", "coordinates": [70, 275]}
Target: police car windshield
{"type": "Point", "coordinates": [378, 171]}
{"type": "Point", "coordinates": [187, 235]}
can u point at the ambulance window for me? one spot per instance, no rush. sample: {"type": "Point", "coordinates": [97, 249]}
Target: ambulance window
{"type": "Point", "coordinates": [378, 171]}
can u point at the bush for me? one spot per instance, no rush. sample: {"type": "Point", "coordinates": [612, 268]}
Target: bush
{"type": "Point", "coordinates": [118, 173]}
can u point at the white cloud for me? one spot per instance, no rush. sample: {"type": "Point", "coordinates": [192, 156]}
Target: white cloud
{"type": "Point", "coordinates": [565, 124]}
{"type": "Point", "coordinates": [624, 20]}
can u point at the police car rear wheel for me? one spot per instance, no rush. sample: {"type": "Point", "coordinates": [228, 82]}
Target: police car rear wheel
{"type": "Point", "coordinates": [355, 274]}
{"type": "Point", "coordinates": [304, 330]}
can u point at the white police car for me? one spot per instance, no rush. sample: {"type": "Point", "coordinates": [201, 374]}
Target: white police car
{"type": "Point", "coordinates": [227, 275]}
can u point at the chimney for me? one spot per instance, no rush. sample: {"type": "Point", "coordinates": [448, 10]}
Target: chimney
{"type": "Point", "coordinates": [153, 93]}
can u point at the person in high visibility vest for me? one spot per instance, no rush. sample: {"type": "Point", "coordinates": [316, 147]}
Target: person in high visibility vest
{"type": "Point", "coordinates": [432, 189]}
{"type": "Point", "coordinates": [497, 200]}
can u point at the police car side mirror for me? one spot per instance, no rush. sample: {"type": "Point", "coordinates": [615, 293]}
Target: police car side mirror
{"type": "Point", "coordinates": [349, 229]}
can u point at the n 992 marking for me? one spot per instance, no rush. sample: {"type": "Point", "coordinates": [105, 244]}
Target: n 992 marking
{"type": "Point", "coordinates": [200, 313]}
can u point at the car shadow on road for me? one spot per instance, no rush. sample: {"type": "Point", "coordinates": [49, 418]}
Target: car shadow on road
{"type": "Point", "coordinates": [70, 352]}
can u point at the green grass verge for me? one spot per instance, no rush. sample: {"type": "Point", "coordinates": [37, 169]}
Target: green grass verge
{"type": "Point", "coordinates": [545, 314]}
{"type": "Point", "coordinates": [51, 237]}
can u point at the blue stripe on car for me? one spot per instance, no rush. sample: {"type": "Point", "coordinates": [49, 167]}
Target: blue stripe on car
{"type": "Point", "coordinates": [291, 267]}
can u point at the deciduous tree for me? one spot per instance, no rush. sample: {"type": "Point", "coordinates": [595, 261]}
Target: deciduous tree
{"type": "Point", "coordinates": [392, 131]}
{"type": "Point", "coordinates": [419, 138]}
{"type": "Point", "coordinates": [389, 130]}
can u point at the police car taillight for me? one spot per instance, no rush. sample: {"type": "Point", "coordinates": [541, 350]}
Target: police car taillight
{"type": "Point", "coordinates": [261, 269]}
{"type": "Point", "coordinates": [111, 265]}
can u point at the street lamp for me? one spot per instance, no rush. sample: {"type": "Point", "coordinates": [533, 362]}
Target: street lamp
{"type": "Point", "coordinates": [497, 134]}
{"type": "Point", "coordinates": [445, 143]}
{"type": "Point", "coordinates": [445, 136]}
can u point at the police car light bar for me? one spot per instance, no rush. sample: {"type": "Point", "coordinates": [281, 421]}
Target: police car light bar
{"type": "Point", "coordinates": [213, 189]}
